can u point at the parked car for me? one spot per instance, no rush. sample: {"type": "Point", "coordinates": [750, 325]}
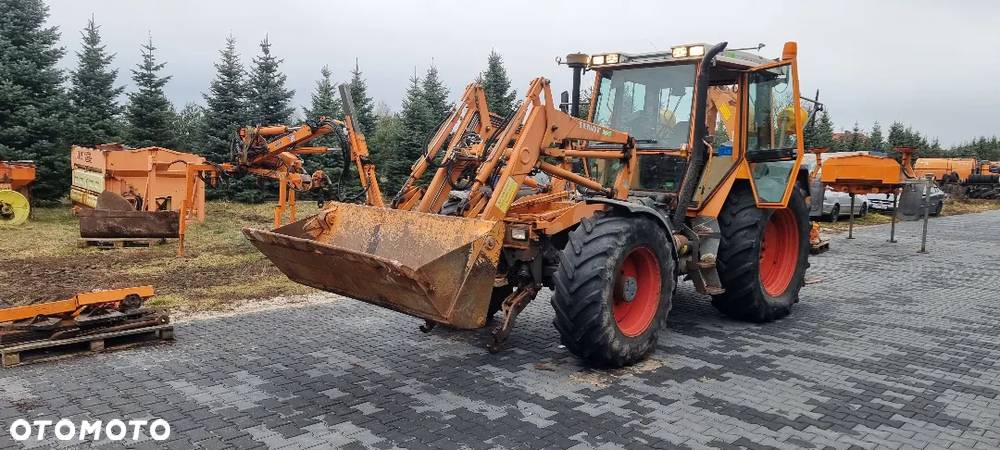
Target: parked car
{"type": "Point", "coordinates": [884, 202]}
{"type": "Point", "coordinates": [837, 204]}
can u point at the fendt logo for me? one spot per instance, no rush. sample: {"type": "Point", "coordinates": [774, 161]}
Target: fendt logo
{"type": "Point", "coordinates": [68, 430]}
{"type": "Point", "coordinates": [590, 127]}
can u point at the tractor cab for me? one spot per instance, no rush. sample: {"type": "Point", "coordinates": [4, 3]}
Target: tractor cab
{"type": "Point", "coordinates": [749, 117]}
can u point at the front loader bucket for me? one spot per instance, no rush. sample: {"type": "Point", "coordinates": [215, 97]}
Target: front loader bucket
{"type": "Point", "coordinates": [439, 268]}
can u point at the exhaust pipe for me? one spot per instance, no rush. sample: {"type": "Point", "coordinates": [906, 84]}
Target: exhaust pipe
{"type": "Point", "coordinates": [699, 153]}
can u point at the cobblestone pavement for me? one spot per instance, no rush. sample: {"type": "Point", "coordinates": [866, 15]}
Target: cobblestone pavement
{"type": "Point", "coordinates": [888, 348]}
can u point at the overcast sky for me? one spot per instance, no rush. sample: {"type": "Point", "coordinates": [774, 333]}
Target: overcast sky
{"type": "Point", "coordinates": [930, 64]}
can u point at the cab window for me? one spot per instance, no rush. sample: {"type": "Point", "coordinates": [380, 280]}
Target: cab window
{"type": "Point", "coordinates": [652, 104]}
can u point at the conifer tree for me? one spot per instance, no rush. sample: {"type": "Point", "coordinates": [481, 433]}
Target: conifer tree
{"type": "Point", "coordinates": [326, 103]}
{"type": "Point", "coordinates": [499, 95]}
{"type": "Point", "coordinates": [33, 106]}
{"type": "Point", "coordinates": [364, 106]}
{"type": "Point", "coordinates": [875, 138]}
{"type": "Point", "coordinates": [226, 102]}
{"type": "Point", "coordinates": [93, 94]}
{"type": "Point", "coordinates": [270, 101]}
{"type": "Point", "coordinates": [150, 115]}
{"type": "Point", "coordinates": [189, 128]}
{"type": "Point", "coordinates": [435, 97]}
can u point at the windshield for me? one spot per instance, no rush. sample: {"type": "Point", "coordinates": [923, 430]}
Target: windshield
{"type": "Point", "coordinates": [652, 104]}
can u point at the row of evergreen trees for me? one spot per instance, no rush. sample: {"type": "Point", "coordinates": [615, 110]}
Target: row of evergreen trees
{"type": "Point", "coordinates": [43, 111]}
{"type": "Point", "coordinates": [820, 133]}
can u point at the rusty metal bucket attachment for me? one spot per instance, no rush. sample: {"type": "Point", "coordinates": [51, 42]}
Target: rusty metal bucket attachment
{"type": "Point", "coordinates": [439, 268]}
{"type": "Point", "coordinates": [116, 218]}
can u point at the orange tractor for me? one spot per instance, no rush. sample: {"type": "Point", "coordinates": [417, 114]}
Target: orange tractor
{"type": "Point", "coordinates": [689, 165]}
{"type": "Point", "coordinates": [15, 197]}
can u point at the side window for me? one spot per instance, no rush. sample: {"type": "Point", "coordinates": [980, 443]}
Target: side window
{"type": "Point", "coordinates": [772, 131]}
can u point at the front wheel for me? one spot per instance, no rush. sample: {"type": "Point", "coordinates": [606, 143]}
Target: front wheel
{"type": "Point", "coordinates": [762, 258]}
{"type": "Point", "coordinates": [835, 214]}
{"type": "Point", "coordinates": [613, 289]}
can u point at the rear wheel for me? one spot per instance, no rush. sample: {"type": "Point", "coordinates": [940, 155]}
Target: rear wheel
{"type": "Point", "coordinates": [835, 214]}
{"type": "Point", "coordinates": [762, 258]}
{"type": "Point", "coordinates": [613, 289]}
{"type": "Point", "coordinates": [864, 210]}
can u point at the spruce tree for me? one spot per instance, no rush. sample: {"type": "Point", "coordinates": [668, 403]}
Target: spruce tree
{"type": "Point", "coordinates": [226, 104]}
{"type": "Point", "coordinates": [875, 138]}
{"type": "Point", "coordinates": [33, 106]}
{"type": "Point", "coordinates": [416, 123]}
{"type": "Point", "coordinates": [435, 97]}
{"type": "Point", "coordinates": [855, 141]}
{"type": "Point", "coordinates": [93, 94]}
{"type": "Point", "coordinates": [897, 135]}
{"type": "Point", "coordinates": [499, 95]}
{"type": "Point", "coordinates": [150, 115]}
{"type": "Point", "coordinates": [325, 99]}
{"type": "Point", "coordinates": [270, 101]}
{"type": "Point", "coordinates": [384, 142]}
{"type": "Point", "coordinates": [364, 106]}
{"type": "Point", "coordinates": [326, 102]}
{"type": "Point", "coordinates": [823, 134]}
{"type": "Point", "coordinates": [189, 128]}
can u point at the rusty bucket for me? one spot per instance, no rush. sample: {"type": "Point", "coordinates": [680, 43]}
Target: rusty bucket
{"type": "Point", "coordinates": [439, 268]}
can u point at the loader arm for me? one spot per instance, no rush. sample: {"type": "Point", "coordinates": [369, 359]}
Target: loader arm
{"type": "Point", "coordinates": [358, 148]}
{"type": "Point", "coordinates": [470, 127]}
{"type": "Point", "coordinates": [539, 129]}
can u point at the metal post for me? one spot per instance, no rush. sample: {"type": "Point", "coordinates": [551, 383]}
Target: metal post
{"type": "Point", "coordinates": [895, 215]}
{"type": "Point", "coordinates": [577, 62]}
{"type": "Point", "coordinates": [926, 204]}
{"type": "Point", "coordinates": [850, 223]}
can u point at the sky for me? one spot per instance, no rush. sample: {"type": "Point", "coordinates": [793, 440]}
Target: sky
{"type": "Point", "coordinates": [929, 64]}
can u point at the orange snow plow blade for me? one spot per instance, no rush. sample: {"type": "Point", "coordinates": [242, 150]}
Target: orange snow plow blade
{"type": "Point", "coordinates": [439, 268]}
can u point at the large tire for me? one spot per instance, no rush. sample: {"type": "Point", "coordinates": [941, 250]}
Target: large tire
{"type": "Point", "coordinates": [613, 289]}
{"type": "Point", "coordinates": [762, 258]}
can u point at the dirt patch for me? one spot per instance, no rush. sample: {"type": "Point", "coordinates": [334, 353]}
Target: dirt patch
{"type": "Point", "coordinates": [43, 263]}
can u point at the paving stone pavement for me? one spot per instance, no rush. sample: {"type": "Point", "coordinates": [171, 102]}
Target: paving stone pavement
{"type": "Point", "coordinates": [890, 348]}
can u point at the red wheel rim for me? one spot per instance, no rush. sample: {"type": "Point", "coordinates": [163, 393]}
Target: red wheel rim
{"type": "Point", "coordinates": [779, 252]}
{"type": "Point", "coordinates": [637, 292]}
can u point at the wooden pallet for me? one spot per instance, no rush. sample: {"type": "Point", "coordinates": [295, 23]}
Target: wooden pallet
{"type": "Point", "coordinates": [119, 242]}
{"type": "Point", "coordinates": [821, 247]}
{"type": "Point", "coordinates": [50, 350]}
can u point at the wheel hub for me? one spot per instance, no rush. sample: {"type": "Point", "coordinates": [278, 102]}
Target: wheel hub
{"type": "Point", "coordinates": [637, 292]}
{"type": "Point", "coordinates": [629, 288]}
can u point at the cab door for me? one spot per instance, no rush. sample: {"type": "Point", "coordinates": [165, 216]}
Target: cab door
{"type": "Point", "coordinates": [774, 121]}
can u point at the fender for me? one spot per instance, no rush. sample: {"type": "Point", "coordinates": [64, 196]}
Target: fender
{"type": "Point", "coordinates": [640, 209]}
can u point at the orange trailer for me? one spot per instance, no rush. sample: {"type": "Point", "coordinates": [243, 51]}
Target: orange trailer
{"type": "Point", "coordinates": [150, 178]}
{"type": "Point", "coordinates": [954, 170]}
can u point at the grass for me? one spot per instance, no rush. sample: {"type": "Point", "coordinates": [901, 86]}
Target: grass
{"type": "Point", "coordinates": [952, 207]}
{"type": "Point", "coordinates": [42, 261]}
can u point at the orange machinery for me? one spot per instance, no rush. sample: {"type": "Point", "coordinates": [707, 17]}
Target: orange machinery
{"type": "Point", "coordinates": [950, 170]}
{"type": "Point", "coordinates": [150, 178]}
{"type": "Point", "coordinates": [110, 310]}
{"type": "Point", "coordinates": [15, 204]}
